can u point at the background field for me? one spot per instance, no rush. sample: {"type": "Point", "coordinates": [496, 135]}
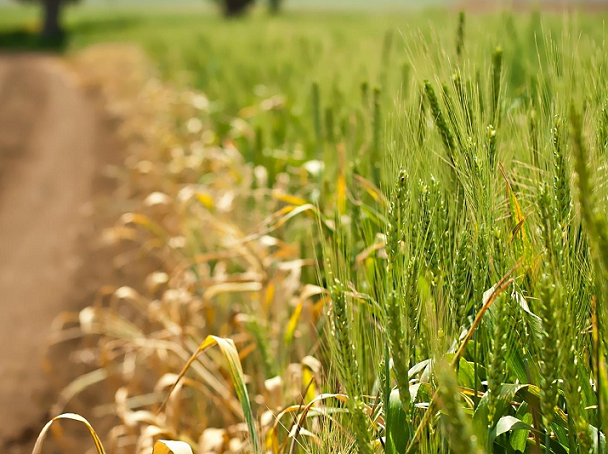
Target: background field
{"type": "Point", "coordinates": [396, 214]}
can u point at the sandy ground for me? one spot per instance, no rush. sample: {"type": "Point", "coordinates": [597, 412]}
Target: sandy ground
{"type": "Point", "coordinates": [54, 144]}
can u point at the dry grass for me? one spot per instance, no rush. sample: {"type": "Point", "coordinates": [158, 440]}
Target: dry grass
{"type": "Point", "coordinates": [223, 266]}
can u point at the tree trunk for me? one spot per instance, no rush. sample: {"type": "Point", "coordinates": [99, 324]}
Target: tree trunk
{"type": "Point", "coordinates": [275, 6]}
{"type": "Point", "coordinates": [234, 8]}
{"type": "Point", "coordinates": [52, 28]}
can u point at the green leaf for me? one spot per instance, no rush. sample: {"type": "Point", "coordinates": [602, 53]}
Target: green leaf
{"type": "Point", "coordinates": [397, 429]}
{"type": "Point", "coordinates": [519, 438]}
{"type": "Point", "coordinates": [417, 368]}
{"type": "Point", "coordinates": [466, 373]}
{"type": "Point", "coordinates": [506, 424]}
{"type": "Point", "coordinates": [516, 365]}
{"type": "Point", "coordinates": [534, 321]}
{"type": "Point", "coordinates": [587, 393]}
{"type": "Point", "coordinates": [556, 448]}
{"type": "Point", "coordinates": [532, 396]}
{"type": "Point", "coordinates": [504, 395]}
{"type": "Point", "coordinates": [560, 432]}
{"type": "Point", "coordinates": [594, 439]}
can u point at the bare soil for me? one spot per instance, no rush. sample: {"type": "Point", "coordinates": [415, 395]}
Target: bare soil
{"type": "Point", "coordinates": [55, 147]}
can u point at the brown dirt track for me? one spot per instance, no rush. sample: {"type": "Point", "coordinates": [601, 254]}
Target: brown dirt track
{"type": "Point", "coordinates": [55, 144]}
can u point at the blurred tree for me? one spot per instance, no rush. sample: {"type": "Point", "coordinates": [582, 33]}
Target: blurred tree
{"type": "Point", "coordinates": [51, 26]}
{"type": "Point", "coordinates": [275, 6]}
{"type": "Point", "coordinates": [52, 19]}
{"type": "Point", "coordinates": [235, 7]}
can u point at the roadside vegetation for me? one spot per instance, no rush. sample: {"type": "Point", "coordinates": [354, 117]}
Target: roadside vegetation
{"type": "Point", "coordinates": [369, 233]}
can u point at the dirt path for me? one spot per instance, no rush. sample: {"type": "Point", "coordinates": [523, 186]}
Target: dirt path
{"type": "Point", "coordinates": [53, 143]}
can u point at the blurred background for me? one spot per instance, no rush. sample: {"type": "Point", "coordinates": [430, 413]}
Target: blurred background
{"type": "Point", "coordinates": [275, 83]}
{"type": "Point", "coordinates": [52, 17]}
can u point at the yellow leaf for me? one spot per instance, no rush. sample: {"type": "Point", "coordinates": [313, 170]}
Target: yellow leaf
{"type": "Point", "coordinates": [270, 294]}
{"type": "Point", "coordinates": [74, 417]}
{"type": "Point", "coordinates": [146, 222]}
{"type": "Point", "coordinates": [310, 367]}
{"type": "Point", "coordinates": [293, 323]}
{"type": "Point", "coordinates": [516, 213]}
{"type": "Point", "coordinates": [248, 112]}
{"type": "Point", "coordinates": [341, 185]}
{"type": "Point", "coordinates": [308, 291]}
{"type": "Point", "coordinates": [288, 198]}
{"type": "Point", "coordinates": [285, 214]}
{"type": "Point", "coordinates": [171, 447]}
{"type": "Point", "coordinates": [371, 189]}
{"type": "Point", "coordinates": [341, 194]}
{"type": "Point", "coordinates": [231, 287]}
{"type": "Point", "coordinates": [204, 199]}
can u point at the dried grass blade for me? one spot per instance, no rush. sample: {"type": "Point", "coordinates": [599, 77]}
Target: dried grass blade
{"type": "Point", "coordinates": [74, 417]}
{"type": "Point", "coordinates": [236, 374]}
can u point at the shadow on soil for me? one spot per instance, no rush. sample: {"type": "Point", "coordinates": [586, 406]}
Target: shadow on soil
{"type": "Point", "coordinates": [21, 39]}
